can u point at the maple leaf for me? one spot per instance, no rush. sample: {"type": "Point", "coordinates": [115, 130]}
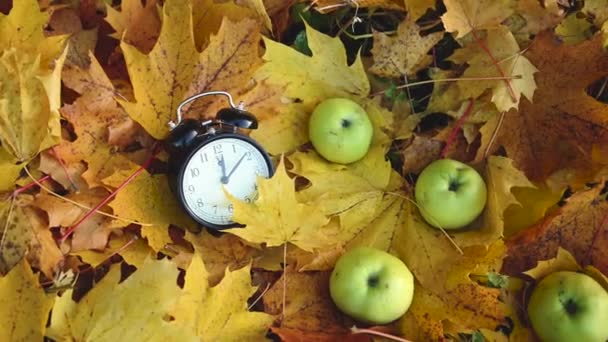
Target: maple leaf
{"type": "Point", "coordinates": [92, 233]}
{"type": "Point", "coordinates": [91, 115]}
{"type": "Point", "coordinates": [561, 126]}
{"type": "Point", "coordinates": [220, 312]}
{"type": "Point", "coordinates": [137, 23]}
{"type": "Point", "coordinates": [148, 200]}
{"type": "Point", "coordinates": [131, 248]}
{"type": "Point", "coordinates": [308, 307]}
{"type": "Point", "coordinates": [404, 54]}
{"type": "Point", "coordinates": [23, 28]}
{"type": "Point", "coordinates": [276, 217]}
{"type": "Point", "coordinates": [174, 69]}
{"type": "Point", "coordinates": [24, 307]}
{"type": "Point", "coordinates": [580, 226]}
{"type": "Point", "coordinates": [305, 79]}
{"type": "Point", "coordinates": [96, 318]}
{"type": "Point", "coordinates": [225, 251]}
{"type": "Point", "coordinates": [503, 48]}
{"type": "Point", "coordinates": [501, 178]}
{"type": "Point", "coordinates": [24, 233]}
{"type": "Point", "coordinates": [467, 15]}
{"type": "Point", "coordinates": [29, 121]}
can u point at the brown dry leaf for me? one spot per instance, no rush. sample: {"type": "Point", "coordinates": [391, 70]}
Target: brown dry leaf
{"type": "Point", "coordinates": [416, 8]}
{"type": "Point", "coordinates": [92, 233]}
{"type": "Point", "coordinates": [308, 307]}
{"type": "Point", "coordinates": [24, 307]}
{"type": "Point", "coordinates": [68, 175]}
{"type": "Point", "coordinates": [539, 17]}
{"type": "Point", "coordinates": [403, 54]}
{"type": "Point", "coordinates": [174, 69]}
{"type": "Point", "coordinates": [25, 233]}
{"type": "Point", "coordinates": [467, 15]}
{"type": "Point", "coordinates": [90, 115]}
{"type": "Point", "coordinates": [561, 126]}
{"type": "Point", "coordinates": [220, 253]}
{"type": "Point", "coordinates": [420, 153]}
{"type": "Point", "coordinates": [137, 23]}
{"type": "Point", "coordinates": [580, 226]}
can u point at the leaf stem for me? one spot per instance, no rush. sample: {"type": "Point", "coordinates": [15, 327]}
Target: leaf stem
{"type": "Point", "coordinates": [64, 167]}
{"type": "Point", "coordinates": [495, 62]}
{"type": "Point", "coordinates": [494, 134]}
{"type": "Point", "coordinates": [457, 127]}
{"type": "Point", "coordinates": [126, 182]}
{"type": "Point", "coordinates": [284, 278]}
{"type": "Point", "coordinates": [31, 185]}
{"type": "Point", "coordinates": [354, 330]}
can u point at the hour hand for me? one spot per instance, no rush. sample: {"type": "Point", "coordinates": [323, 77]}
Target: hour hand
{"type": "Point", "coordinates": [222, 164]}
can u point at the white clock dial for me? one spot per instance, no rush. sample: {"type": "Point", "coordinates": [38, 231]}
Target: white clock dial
{"type": "Point", "coordinates": [229, 163]}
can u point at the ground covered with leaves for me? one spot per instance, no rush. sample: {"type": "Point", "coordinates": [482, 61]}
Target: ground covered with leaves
{"type": "Point", "coordinates": [94, 246]}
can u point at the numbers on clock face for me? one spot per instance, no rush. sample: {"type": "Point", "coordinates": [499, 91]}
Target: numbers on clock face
{"type": "Point", "coordinates": [229, 163]}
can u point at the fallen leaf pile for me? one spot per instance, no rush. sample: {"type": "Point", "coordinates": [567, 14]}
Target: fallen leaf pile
{"type": "Point", "coordinates": [94, 246]}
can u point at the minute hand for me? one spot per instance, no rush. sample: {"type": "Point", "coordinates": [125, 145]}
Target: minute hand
{"type": "Point", "coordinates": [235, 166]}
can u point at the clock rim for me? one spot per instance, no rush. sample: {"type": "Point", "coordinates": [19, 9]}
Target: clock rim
{"type": "Point", "coordinates": [182, 170]}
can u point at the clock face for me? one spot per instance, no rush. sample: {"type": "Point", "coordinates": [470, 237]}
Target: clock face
{"type": "Point", "coordinates": [229, 163]}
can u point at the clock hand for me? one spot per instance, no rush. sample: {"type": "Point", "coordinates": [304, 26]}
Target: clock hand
{"type": "Point", "coordinates": [235, 166]}
{"type": "Point", "coordinates": [222, 164]}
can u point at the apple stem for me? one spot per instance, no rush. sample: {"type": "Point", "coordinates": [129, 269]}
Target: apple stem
{"type": "Point", "coordinates": [438, 226]}
{"type": "Point", "coordinates": [354, 330]}
{"type": "Point", "coordinates": [457, 127]}
{"type": "Point", "coordinates": [82, 206]}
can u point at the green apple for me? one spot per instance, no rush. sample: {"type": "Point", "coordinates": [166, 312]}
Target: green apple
{"type": "Point", "coordinates": [340, 130]}
{"type": "Point", "coordinates": [450, 194]}
{"type": "Point", "coordinates": [569, 306]}
{"type": "Point", "coordinates": [371, 285]}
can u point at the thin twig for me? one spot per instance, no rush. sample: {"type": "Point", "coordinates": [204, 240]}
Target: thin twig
{"type": "Point", "coordinates": [259, 297]}
{"type": "Point", "coordinates": [602, 88]}
{"type": "Point", "coordinates": [82, 206]}
{"type": "Point", "coordinates": [355, 330]}
{"type": "Point", "coordinates": [494, 134]}
{"type": "Point", "coordinates": [64, 167]}
{"type": "Point", "coordinates": [437, 225]}
{"type": "Point", "coordinates": [110, 196]}
{"type": "Point", "coordinates": [457, 127]}
{"type": "Point", "coordinates": [489, 78]}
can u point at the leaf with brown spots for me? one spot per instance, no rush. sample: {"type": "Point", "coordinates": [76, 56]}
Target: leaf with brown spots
{"type": "Point", "coordinates": [563, 123]}
{"type": "Point", "coordinates": [137, 22]}
{"type": "Point", "coordinates": [580, 227]}
{"type": "Point", "coordinates": [174, 70]}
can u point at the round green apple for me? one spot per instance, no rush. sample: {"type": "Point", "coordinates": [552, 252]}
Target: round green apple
{"type": "Point", "coordinates": [371, 285]}
{"type": "Point", "coordinates": [450, 194]}
{"type": "Point", "coordinates": [569, 306]}
{"type": "Point", "coordinates": [340, 130]}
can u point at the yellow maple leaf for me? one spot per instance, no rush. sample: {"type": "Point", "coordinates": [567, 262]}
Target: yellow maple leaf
{"type": "Point", "coordinates": [23, 28]}
{"type": "Point", "coordinates": [313, 78]}
{"type": "Point", "coordinates": [114, 312]}
{"type": "Point", "coordinates": [174, 69]}
{"type": "Point", "coordinates": [29, 103]}
{"type": "Point", "coordinates": [9, 170]}
{"type": "Point", "coordinates": [504, 49]}
{"type": "Point", "coordinates": [277, 217]}
{"type": "Point", "coordinates": [24, 307]}
{"type": "Point", "coordinates": [220, 313]}
{"type": "Point", "coordinates": [403, 54]}
{"type": "Point", "coordinates": [467, 15]}
{"type": "Point", "coordinates": [501, 177]}
{"type": "Point", "coordinates": [149, 200]}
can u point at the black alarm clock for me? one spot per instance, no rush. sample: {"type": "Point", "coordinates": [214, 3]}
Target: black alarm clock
{"type": "Point", "coordinates": [206, 157]}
